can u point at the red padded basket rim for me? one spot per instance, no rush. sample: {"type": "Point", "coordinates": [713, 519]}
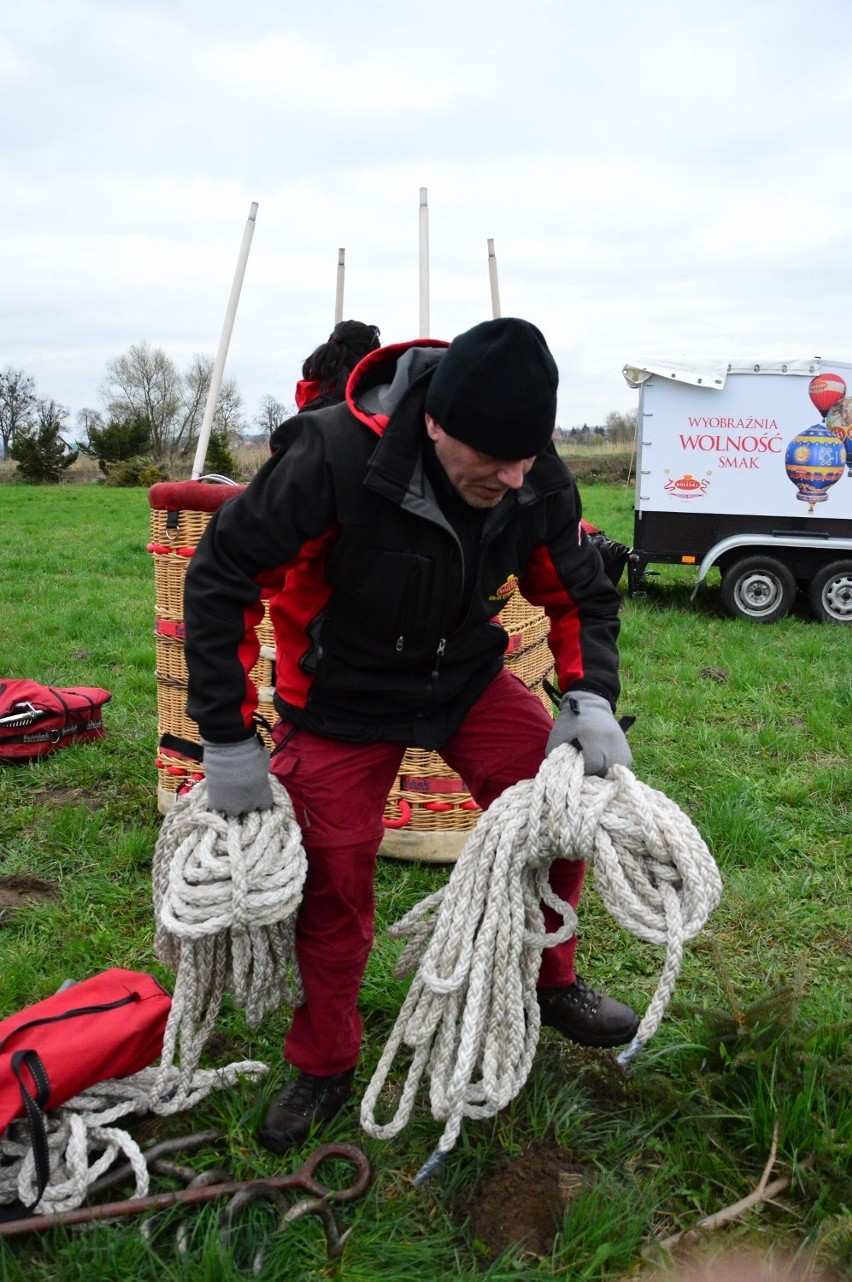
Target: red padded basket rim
{"type": "Point", "coordinates": [193, 496]}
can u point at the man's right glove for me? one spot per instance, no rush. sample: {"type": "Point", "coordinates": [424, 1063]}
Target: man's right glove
{"type": "Point", "coordinates": [587, 721]}
{"type": "Point", "coordinates": [237, 776]}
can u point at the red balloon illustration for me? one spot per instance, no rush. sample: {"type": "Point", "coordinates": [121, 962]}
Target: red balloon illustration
{"type": "Point", "coordinates": [825, 390]}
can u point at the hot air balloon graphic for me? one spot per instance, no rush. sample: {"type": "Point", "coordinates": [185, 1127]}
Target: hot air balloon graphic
{"type": "Point", "coordinates": [814, 462]}
{"type": "Point", "coordinates": [839, 421]}
{"type": "Point", "coordinates": [825, 390]}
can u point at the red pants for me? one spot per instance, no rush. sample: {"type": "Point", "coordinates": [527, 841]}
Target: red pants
{"type": "Point", "coordinates": [339, 792]}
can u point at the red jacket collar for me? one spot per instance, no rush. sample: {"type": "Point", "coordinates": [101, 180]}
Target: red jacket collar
{"type": "Point", "coordinates": [368, 363]}
{"type": "Point", "coordinates": [307, 390]}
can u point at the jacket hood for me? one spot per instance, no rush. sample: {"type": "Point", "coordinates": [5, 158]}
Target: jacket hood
{"type": "Point", "coordinates": [307, 390]}
{"type": "Point", "coordinates": [379, 381]}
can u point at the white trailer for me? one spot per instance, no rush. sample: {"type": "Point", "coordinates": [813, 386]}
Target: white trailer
{"type": "Point", "coordinates": [745, 467]}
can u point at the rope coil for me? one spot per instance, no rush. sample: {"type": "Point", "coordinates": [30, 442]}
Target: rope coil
{"type": "Point", "coordinates": [471, 1014]}
{"type": "Point", "coordinates": [226, 892]}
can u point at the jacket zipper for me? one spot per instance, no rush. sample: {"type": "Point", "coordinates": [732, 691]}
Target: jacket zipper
{"type": "Point", "coordinates": [399, 644]}
{"type": "Point", "coordinates": [439, 654]}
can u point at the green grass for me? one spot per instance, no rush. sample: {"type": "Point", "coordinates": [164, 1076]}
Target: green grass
{"type": "Point", "coordinates": [745, 727]}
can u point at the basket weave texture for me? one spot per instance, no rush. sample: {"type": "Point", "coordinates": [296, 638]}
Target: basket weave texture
{"type": "Point", "coordinates": [427, 797]}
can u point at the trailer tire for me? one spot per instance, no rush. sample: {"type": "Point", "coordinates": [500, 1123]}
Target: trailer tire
{"type": "Point", "coordinates": [830, 593]}
{"type": "Point", "coordinates": [758, 588]}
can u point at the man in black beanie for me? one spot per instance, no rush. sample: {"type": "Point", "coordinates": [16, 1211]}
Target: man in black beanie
{"type": "Point", "coordinates": [495, 389]}
{"type": "Point", "coordinates": [388, 531]}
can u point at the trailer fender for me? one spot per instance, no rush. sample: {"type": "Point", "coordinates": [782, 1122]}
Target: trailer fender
{"type": "Point", "coordinates": [769, 544]}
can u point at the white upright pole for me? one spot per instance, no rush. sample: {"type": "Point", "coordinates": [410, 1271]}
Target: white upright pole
{"type": "Point", "coordinates": [338, 299]}
{"type": "Point", "coordinates": [219, 363]}
{"type": "Point", "coordinates": [424, 264]}
{"type": "Point", "coordinates": [492, 275]}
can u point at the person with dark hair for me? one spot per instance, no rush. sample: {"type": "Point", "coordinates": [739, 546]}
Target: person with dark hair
{"type": "Point", "coordinates": [396, 524]}
{"type": "Point", "coordinates": [325, 371]}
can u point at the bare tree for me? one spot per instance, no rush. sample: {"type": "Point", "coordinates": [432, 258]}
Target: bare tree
{"type": "Point", "coordinates": [270, 413]}
{"type": "Point", "coordinates": [229, 409]}
{"type": "Point", "coordinates": [88, 419]}
{"type": "Point", "coordinates": [227, 417]}
{"type": "Point", "coordinates": [145, 382]}
{"type": "Point", "coordinates": [51, 413]}
{"type": "Point", "coordinates": [18, 403]}
{"type": "Point", "coordinates": [621, 428]}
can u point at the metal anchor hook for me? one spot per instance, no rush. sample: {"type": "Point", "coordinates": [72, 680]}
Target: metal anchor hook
{"type": "Point", "coordinates": [320, 1200]}
{"type": "Point", "coordinates": [319, 1206]}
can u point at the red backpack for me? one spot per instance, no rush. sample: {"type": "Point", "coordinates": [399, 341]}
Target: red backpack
{"type": "Point", "coordinates": [36, 719]}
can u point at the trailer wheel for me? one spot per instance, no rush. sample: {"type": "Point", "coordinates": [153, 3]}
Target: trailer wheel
{"type": "Point", "coordinates": [758, 588]}
{"type": "Point", "coordinates": [830, 593]}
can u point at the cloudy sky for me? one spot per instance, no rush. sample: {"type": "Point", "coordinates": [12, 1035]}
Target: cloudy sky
{"type": "Point", "coordinates": [660, 178]}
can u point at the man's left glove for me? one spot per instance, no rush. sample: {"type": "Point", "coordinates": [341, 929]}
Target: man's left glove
{"type": "Point", "coordinates": [237, 776]}
{"type": "Point", "coordinates": [587, 721]}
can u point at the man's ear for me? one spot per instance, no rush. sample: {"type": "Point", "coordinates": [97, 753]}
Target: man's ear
{"type": "Point", "coordinates": [433, 429]}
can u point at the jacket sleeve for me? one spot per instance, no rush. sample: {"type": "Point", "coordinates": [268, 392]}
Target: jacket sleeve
{"type": "Point", "coordinates": [248, 545]}
{"type": "Point", "coordinates": [566, 577]}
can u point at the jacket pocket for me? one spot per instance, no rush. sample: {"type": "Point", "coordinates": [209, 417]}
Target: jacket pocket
{"type": "Point", "coordinates": [390, 597]}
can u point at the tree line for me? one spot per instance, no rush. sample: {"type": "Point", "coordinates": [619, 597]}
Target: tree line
{"type": "Point", "coordinates": [618, 429]}
{"type": "Point", "coordinates": [149, 420]}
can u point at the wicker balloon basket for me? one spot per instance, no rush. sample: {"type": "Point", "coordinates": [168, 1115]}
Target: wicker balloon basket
{"type": "Point", "coordinates": [429, 812]}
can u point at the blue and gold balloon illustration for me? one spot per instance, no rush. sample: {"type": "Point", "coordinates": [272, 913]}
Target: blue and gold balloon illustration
{"type": "Point", "coordinates": [814, 462]}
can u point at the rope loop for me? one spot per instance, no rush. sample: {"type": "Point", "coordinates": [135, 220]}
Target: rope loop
{"type": "Point", "coordinates": [471, 1015]}
{"type": "Point", "coordinates": [226, 892]}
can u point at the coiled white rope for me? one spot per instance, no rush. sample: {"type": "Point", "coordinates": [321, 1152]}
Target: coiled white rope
{"type": "Point", "coordinates": [83, 1143]}
{"type": "Point", "coordinates": [226, 893]}
{"type": "Point", "coordinates": [471, 1015]}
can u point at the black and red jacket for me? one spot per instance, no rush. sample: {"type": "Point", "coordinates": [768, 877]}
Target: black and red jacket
{"type": "Point", "coordinates": [342, 531]}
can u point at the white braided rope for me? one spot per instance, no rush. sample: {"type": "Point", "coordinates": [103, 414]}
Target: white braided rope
{"type": "Point", "coordinates": [471, 1015]}
{"type": "Point", "coordinates": [226, 893]}
{"type": "Point", "coordinates": [83, 1143]}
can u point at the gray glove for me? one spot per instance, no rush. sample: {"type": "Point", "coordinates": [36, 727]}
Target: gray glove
{"type": "Point", "coordinates": [237, 776]}
{"type": "Point", "coordinates": [586, 720]}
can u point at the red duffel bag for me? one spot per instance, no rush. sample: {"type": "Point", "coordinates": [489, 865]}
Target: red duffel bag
{"type": "Point", "coordinates": [111, 1025]}
{"type": "Point", "coordinates": [36, 719]}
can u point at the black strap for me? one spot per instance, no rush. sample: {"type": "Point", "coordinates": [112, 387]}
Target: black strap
{"type": "Point", "coordinates": [182, 747]}
{"type": "Point", "coordinates": [551, 691]}
{"type": "Point", "coordinates": [34, 1108]}
{"type": "Point", "coordinates": [258, 719]}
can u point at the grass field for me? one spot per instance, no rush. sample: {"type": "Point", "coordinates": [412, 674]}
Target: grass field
{"type": "Point", "coordinates": [747, 728]}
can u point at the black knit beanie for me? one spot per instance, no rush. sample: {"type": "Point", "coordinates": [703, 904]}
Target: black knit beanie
{"type": "Point", "coordinates": [495, 389]}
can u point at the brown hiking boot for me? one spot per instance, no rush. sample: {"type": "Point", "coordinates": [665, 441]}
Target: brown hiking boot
{"type": "Point", "coordinates": [306, 1102]}
{"type": "Point", "coordinates": [585, 1016]}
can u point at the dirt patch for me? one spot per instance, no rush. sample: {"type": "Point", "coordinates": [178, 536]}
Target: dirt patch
{"type": "Point", "coordinates": [521, 1202]}
{"type": "Point", "coordinates": [219, 1046]}
{"type": "Point", "coordinates": [17, 892]}
{"type": "Point", "coordinates": [66, 797]}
